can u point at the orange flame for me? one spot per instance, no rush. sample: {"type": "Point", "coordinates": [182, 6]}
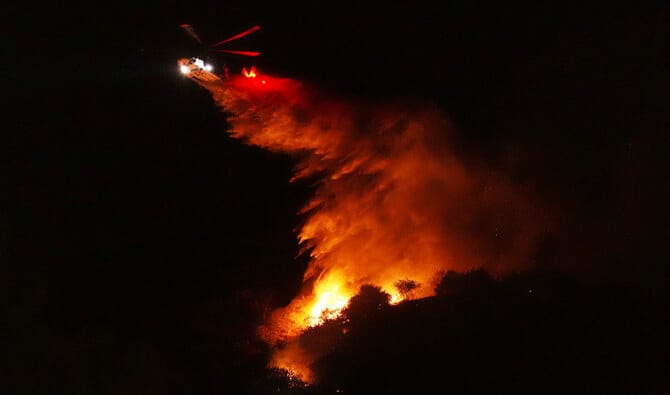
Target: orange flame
{"type": "Point", "coordinates": [393, 202]}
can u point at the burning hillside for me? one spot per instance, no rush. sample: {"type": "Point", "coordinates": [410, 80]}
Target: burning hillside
{"type": "Point", "coordinates": [392, 205]}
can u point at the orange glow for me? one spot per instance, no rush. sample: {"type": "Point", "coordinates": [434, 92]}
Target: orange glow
{"type": "Point", "coordinates": [295, 359]}
{"type": "Point", "coordinates": [392, 200]}
{"type": "Point", "coordinates": [328, 305]}
{"type": "Point", "coordinates": [329, 297]}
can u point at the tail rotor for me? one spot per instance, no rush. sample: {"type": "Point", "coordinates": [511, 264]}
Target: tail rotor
{"type": "Point", "coordinates": [191, 33]}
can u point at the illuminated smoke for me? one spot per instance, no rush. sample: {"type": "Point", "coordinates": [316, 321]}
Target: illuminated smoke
{"type": "Point", "coordinates": [392, 200]}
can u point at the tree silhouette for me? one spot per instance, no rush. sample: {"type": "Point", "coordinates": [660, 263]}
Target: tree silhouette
{"type": "Point", "coordinates": [406, 288]}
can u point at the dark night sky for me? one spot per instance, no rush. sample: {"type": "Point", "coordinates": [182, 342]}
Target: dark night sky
{"type": "Point", "coordinates": [566, 99]}
{"type": "Point", "coordinates": [126, 209]}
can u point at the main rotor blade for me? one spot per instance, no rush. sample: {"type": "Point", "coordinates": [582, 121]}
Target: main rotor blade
{"type": "Point", "coordinates": [243, 53]}
{"type": "Point", "coordinates": [191, 32]}
{"type": "Point", "coordinates": [235, 37]}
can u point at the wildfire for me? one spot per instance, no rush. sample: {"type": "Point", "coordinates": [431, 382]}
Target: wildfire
{"type": "Point", "coordinates": [392, 202]}
{"type": "Point", "coordinates": [328, 305]}
{"type": "Point", "coordinates": [330, 297]}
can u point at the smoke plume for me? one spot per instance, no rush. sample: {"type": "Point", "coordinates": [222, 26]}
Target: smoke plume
{"type": "Point", "coordinates": [392, 201]}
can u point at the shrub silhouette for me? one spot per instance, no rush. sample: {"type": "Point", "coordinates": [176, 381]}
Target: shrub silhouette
{"type": "Point", "coordinates": [369, 301]}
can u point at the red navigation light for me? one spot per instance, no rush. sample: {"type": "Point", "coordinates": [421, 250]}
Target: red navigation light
{"type": "Point", "coordinates": [249, 73]}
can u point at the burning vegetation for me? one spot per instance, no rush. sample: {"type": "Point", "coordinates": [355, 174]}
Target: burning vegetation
{"type": "Point", "coordinates": [393, 205]}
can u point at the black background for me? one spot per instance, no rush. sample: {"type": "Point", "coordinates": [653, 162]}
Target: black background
{"type": "Point", "coordinates": [137, 236]}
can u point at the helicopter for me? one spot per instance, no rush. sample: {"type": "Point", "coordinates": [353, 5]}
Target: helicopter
{"type": "Point", "coordinates": [198, 69]}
